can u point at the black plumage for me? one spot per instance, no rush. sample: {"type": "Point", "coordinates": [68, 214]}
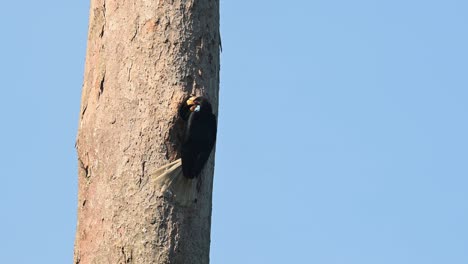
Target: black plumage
{"type": "Point", "coordinates": [199, 135]}
{"type": "Point", "coordinates": [180, 178]}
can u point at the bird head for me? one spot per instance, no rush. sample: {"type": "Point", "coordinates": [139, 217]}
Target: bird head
{"type": "Point", "coordinates": [199, 104]}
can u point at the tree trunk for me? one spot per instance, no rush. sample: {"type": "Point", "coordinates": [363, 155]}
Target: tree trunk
{"type": "Point", "coordinates": [143, 58]}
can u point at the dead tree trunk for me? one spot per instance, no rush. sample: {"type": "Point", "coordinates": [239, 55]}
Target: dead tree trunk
{"type": "Point", "coordinates": [143, 58]}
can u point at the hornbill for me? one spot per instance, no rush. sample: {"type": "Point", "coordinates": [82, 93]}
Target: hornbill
{"type": "Point", "coordinates": [199, 136]}
{"type": "Point", "coordinates": [181, 177]}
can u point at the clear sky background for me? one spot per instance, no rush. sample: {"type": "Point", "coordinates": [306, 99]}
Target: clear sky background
{"type": "Point", "coordinates": [342, 132]}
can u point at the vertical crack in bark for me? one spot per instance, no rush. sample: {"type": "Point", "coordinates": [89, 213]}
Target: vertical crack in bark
{"type": "Point", "coordinates": [101, 85]}
{"type": "Point", "coordinates": [104, 19]}
{"type": "Point", "coordinates": [126, 258]}
{"type": "Point", "coordinates": [130, 72]}
{"type": "Point", "coordinates": [84, 110]}
{"type": "Point", "coordinates": [220, 43]}
{"type": "Point", "coordinates": [137, 27]}
{"type": "Point", "coordinates": [104, 10]}
{"type": "Point", "coordinates": [84, 167]}
{"type": "Point", "coordinates": [142, 175]}
{"type": "Point", "coordinates": [78, 258]}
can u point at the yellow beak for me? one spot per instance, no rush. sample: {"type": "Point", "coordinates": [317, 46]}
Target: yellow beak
{"type": "Point", "coordinates": [191, 100]}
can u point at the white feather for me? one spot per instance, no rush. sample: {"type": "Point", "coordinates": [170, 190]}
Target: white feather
{"type": "Point", "coordinates": [170, 180]}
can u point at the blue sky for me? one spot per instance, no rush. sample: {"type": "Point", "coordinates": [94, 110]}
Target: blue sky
{"type": "Point", "coordinates": [342, 132]}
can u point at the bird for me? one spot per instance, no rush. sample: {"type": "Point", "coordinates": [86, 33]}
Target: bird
{"type": "Point", "coordinates": [181, 178]}
{"type": "Point", "coordinates": [199, 137]}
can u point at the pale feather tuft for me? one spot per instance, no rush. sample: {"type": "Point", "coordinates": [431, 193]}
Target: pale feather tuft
{"type": "Point", "coordinates": [170, 180]}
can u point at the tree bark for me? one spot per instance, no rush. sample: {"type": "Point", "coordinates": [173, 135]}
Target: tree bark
{"type": "Point", "coordinates": [143, 58]}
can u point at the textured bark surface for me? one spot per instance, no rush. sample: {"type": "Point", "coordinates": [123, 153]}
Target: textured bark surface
{"type": "Point", "coordinates": [143, 57]}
